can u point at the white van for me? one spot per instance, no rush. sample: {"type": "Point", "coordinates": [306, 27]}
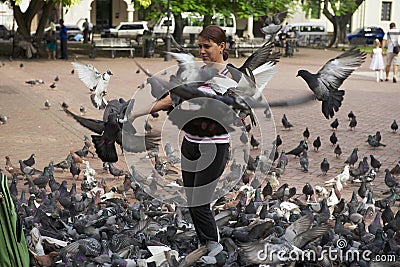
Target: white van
{"type": "Point", "coordinates": [309, 33]}
{"type": "Point", "coordinates": [193, 24]}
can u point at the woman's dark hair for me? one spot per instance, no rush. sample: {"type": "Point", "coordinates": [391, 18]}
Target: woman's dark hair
{"type": "Point", "coordinates": [217, 35]}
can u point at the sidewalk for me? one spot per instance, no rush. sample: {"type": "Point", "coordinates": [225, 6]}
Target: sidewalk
{"type": "Point", "coordinates": [51, 134]}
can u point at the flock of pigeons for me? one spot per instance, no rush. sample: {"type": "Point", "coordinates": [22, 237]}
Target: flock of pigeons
{"type": "Point", "coordinates": [258, 219]}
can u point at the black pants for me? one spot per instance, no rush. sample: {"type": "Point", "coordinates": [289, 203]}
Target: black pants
{"type": "Point", "coordinates": [64, 49]}
{"type": "Point", "coordinates": [202, 165]}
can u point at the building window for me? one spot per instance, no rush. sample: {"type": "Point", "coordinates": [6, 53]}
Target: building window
{"type": "Point", "coordinates": [386, 11]}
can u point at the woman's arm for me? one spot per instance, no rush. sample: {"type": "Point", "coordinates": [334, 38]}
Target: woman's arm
{"type": "Point", "coordinates": [158, 105]}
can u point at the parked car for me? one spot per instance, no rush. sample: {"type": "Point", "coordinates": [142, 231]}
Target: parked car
{"type": "Point", "coordinates": [4, 32]}
{"type": "Point", "coordinates": [132, 30]}
{"type": "Point", "coordinates": [72, 30]}
{"type": "Point", "coordinates": [365, 35]}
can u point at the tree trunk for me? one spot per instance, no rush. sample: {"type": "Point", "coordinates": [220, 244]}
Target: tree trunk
{"type": "Point", "coordinates": [44, 19]}
{"type": "Point", "coordinates": [178, 28]}
{"type": "Point", "coordinates": [24, 20]}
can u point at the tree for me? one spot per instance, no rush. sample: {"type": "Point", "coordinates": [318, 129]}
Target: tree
{"type": "Point", "coordinates": [338, 12]}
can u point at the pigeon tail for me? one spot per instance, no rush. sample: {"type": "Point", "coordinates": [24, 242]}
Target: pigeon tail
{"type": "Point", "coordinates": [332, 104]}
{"type": "Point", "coordinates": [105, 151]}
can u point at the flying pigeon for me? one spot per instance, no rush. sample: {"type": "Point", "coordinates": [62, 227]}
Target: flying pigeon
{"type": "Point", "coordinates": [326, 82]}
{"type": "Point", "coordinates": [95, 81]}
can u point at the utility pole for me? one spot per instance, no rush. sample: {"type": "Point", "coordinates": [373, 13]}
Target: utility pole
{"type": "Point", "coordinates": [168, 37]}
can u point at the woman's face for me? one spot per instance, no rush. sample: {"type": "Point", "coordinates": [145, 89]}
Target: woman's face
{"type": "Point", "coordinates": [210, 51]}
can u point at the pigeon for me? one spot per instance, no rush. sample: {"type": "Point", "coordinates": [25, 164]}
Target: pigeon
{"type": "Point", "coordinates": [21, 65]}
{"type": "Point", "coordinates": [286, 123]}
{"type": "Point", "coordinates": [297, 151]}
{"type": "Point", "coordinates": [273, 25]}
{"type": "Point", "coordinates": [306, 134]}
{"type": "Point", "coordinates": [353, 123]}
{"type": "Point", "coordinates": [56, 79]}
{"type": "Point", "coordinates": [352, 158]}
{"type": "Point", "coordinates": [395, 171]}
{"type": "Point", "coordinates": [277, 142]}
{"type": "Point", "coordinates": [304, 160]}
{"type": "Point", "coordinates": [317, 143]}
{"type": "Point", "coordinates": [82, 109]}
{"type": "Point", "coordinates": [111, 132]}
{"type": "Point", "coordinates": [335, 124]}
{"type": "Point", "coordinates": [30, 161]}
{"type": "Point", "coordinates": [47, 104]}
{"type": "Point", "coordinates": [95, 81]}
{"type": "Point", "coordinates": [259, 68]}
{"type": "Point", "coordinates": [325, 166]}
{"type": "Point", "coordinates": [372, 141]}
{"type": "Point", "coordinates": [53, 85]}
{"type": "Point", "coordinates": [325, 84]}
{"type": "Point", "coordinates": [337, 151]}
{"type": "Point", "coordinates": [394, 126]}
{"type": "Point", "coordinates": [375, 164]}
{"type": "Point", "coordinates": [333, 138]}
{"type": "Point", "coordinates": [253, 142]}
{"type": "Point", "coordinates": [350, 115]}
{"type": "Point", "coordinates": [3, 119]}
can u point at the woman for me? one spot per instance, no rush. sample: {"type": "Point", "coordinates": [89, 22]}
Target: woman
{"type": "Point", "coordinates": [51, 45]}
{"type": "Point", "coordinates": [200, 179]}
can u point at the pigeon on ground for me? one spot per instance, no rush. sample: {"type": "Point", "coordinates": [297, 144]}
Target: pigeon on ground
{"type": "Point", "coordinates": [56, 79]}
{"type": "Point", "coordinates": [335, 124]}
{"type": "Point", "coordinates": [53, 85]}
{"type": "Point", "coordinates": [325, 84]}
{"type": "Point", "coordinates": [304, 161]}
{"type": "Point", "coordinates": [306, 134]}
{"type": "Point", "coordinates": [374, 142]}
{"type": "Point", "coordinates": [337, 151]}
{"type": "Point", "coordinates": [3, 119]}
{"type": "Point", "coordinates": [95, 81]}
{"type": "Point", "coordinates": [375, 164]}
{"type": "Point", "coordinates": [352, 158]}
{"type": "Point", "coordinates": [350, 115]}
{"type": "Point", "coordinates": [317, 143]}
{"type": "Point", "coordinates": [333, 138]}
{"type": "Point", "coordinates": [286, 123]}
{"type": "Point", "coordinates": [253, 142]}
{"type": "Point", "coordinates": [30, 161]}
{"type": "Point", "coordinates": [324, 166]}
{"type": "Point", "coordinates": [353, 123]}
{"type": "Point", "coordinates": [47, 104]}
{"type": "Point", "coordinates": [82, 109]}
{"type": "Point", "coordinates": [394, 126]}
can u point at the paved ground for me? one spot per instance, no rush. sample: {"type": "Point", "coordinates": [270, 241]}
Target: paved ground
{"type": "Point", "coordinates": [51, 134]}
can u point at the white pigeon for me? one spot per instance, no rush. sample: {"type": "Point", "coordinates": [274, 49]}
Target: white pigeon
{"type": "Point", "coordinates": [95, 81]}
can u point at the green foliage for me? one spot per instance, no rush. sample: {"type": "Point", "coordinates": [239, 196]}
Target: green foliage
{"type": "Point", "coordinates": [242, 8]}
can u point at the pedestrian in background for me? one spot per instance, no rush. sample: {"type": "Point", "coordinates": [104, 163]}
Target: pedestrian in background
{"type": "Point", "coordinates": [51, 44]}
{"type": "Point", "coordinates": [392, 39]}
{"type": "Point", "coordinates": [63, 40]}
{"type": "Point", "coordinates": [377, 63]}
{"type": "Point", "coordinates": [85, 31]}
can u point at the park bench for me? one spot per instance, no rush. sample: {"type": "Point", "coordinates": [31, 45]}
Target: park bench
{"type": "Point", "coordinates": [249, 46]}
{"type": "Point", "coordinates": [112, 44]}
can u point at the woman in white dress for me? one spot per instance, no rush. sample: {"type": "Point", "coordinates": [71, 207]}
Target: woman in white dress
{"type": "Point", "coordinates": [377, 63]}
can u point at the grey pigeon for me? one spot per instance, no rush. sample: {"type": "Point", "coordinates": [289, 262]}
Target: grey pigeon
{"type": "Point", "coordinates": [394, 126]}
{"type": "Point", "coordinates": [325, 84]}
{"type": "Point", "coordinates": [353, 123]}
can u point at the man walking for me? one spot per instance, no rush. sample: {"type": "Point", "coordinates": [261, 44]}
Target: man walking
{"type": "Point", "coordinates": [63, 40]}
{"type": "Point", "coordinates": [392, 38]}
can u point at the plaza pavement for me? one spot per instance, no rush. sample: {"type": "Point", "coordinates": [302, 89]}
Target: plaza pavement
{"type": "Point", "coordinates": [51, 134]}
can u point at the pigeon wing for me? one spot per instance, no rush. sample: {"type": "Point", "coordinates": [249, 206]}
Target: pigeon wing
{"type": "Point", "coordinates": [298, 227]}
{"type": "Point", "coordinates": [88, 74]}
{"type": "Point", "coordinates": [278, 18]}
{"type": "Point", "coordinates": [94, 125]}
{"type": "Point", "coordinates": [336, 70]}
{"type": "Point", "coordinates": [263, 55]}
